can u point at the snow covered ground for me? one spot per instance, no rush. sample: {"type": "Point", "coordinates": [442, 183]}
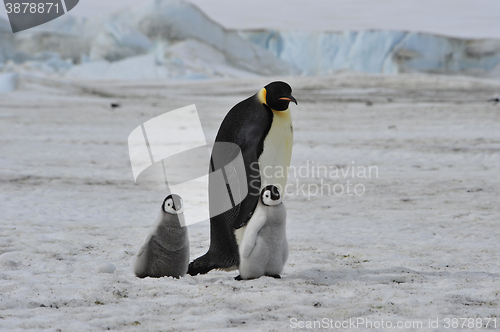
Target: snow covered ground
{"type": "Point", "coordinates": [420, 243]}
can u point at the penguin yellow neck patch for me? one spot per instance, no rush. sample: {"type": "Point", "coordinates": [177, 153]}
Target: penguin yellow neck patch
{"type": "Point", "coordinates": [262, 96]}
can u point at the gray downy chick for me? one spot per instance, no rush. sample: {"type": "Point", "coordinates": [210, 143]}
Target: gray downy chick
{"type": "Point", "coordinates": [264, 247]}
{"type": "Point", "coordinates": [165, 252]}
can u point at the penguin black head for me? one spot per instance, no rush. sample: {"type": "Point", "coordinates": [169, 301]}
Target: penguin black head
{"type": "Point", "coordinates": [279, 95]}
{"type": "Point", "coordinates": [172, 204]}
{"type": "Point", "coordinates": [270, 195]}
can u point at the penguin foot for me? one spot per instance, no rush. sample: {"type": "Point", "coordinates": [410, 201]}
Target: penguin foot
{"type": "Point", "coordinates": [241, 278]}
{"type": "Point", "coordinates": [208, 262]}
{"type": "Point", "coordinates": [275, 276]}
{"type": "Point", "coordinates": [200, 265]}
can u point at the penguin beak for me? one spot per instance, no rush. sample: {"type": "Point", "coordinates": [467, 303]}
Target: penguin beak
{"type": "Point", "coordinates": [290, 98]}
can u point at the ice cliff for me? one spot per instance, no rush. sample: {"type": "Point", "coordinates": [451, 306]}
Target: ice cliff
{"type": "Point", "coordinates": [174, 39]}
{"type": "Point", "coordinates": [380, 52]}
{"type": "Point", "coordinates": [170, 38]}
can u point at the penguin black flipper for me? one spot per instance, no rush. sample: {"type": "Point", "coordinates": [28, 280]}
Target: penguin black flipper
{"type": "Point", "coordinates": [252, 121]}
{"type": "Point", "coordinates": [247, 206]}
{"type": "Point", "coordinates": [245, 125]}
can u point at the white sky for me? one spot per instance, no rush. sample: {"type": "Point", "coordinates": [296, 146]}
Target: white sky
{"type": "Point", "coordinates": [466, 18]}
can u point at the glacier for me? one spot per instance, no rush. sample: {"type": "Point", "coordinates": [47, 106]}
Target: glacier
{"type": "Point", "coordinates": [389, 52]}
{"type": "Point", "coordinates": [169, 38]}
{"type": "Point", "coordinates": [173, 39]}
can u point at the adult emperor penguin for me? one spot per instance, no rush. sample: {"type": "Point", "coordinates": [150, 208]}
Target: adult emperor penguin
{"type": "Point", "coordinates": [264, 248]}
{"type": "Point", "coordinates": [165, 251]}
{"type": "Point", "coordinates": [262, 128]}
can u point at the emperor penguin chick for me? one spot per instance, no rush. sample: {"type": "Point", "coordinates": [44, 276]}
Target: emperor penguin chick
{"type": "Point", "coordinates": [264, 247]}
{"type": "Point", "coordinates": [165, 251]}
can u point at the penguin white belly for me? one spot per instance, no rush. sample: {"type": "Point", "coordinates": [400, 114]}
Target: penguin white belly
{"type": "Point", "coordinates": [275, 158]}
